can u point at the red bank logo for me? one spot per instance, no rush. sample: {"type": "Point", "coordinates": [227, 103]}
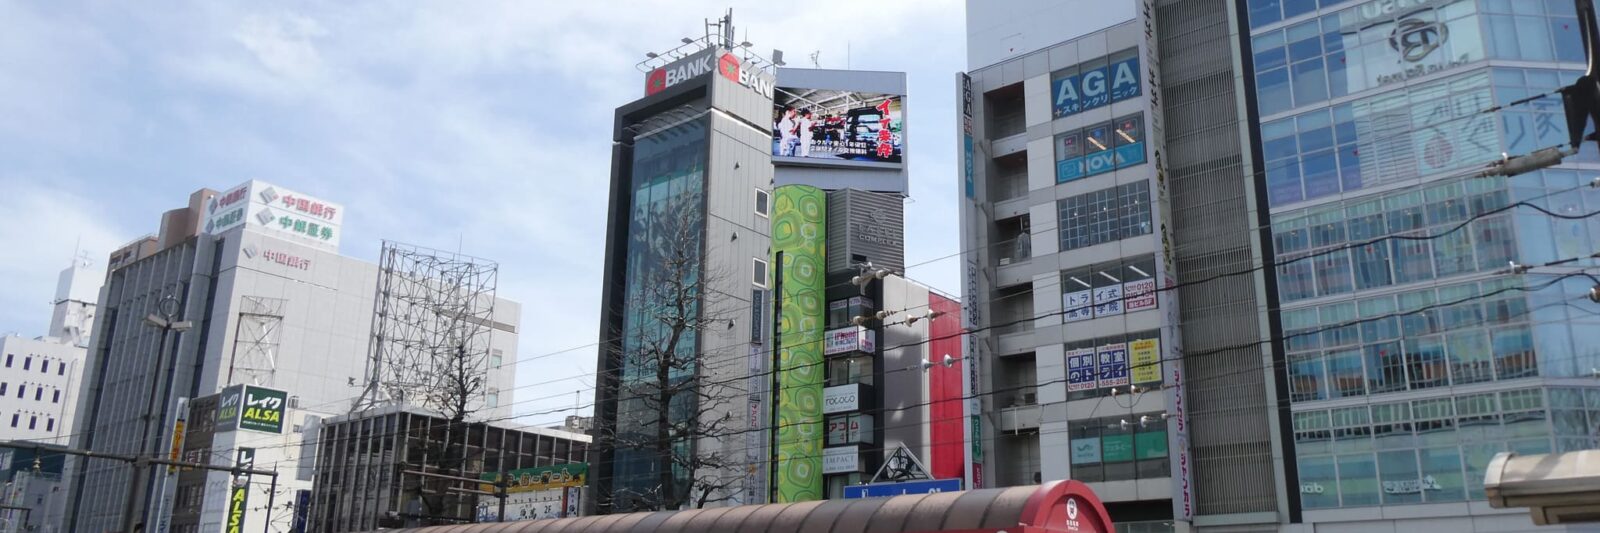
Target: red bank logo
{"type": "Point", "coordinates": [656, 82]}
{"type": "Point", "coordinates": [728, 65]}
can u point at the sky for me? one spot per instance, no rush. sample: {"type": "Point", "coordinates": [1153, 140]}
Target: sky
{"type": "Point", "coordinates": [483, 126]}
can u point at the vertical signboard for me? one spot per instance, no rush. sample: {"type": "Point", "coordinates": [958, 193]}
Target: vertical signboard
{"type": "Point", "coordinates": [799, 232]}
{"type": "Point", "coordinates": [945, 430]}
{"type": "Point", "coordinates": [239, 492]}
{"type": "Point", "coordinates": [755, 441]}
{"type": "Point", "coordinates": [969, 385]}
{"type": "Point", "coordinates": [966, 135]}
{"type": "Point", "coordinates": [1081, 370]}
{"type": "Point", "coordinates": [166, 485]}
{"type": "Point", "coordinates": [1113, 363]}
{"type": "Point", "coordinates": [1145, 357]}
{"type": "Point", "coordinates": [1166, 276]}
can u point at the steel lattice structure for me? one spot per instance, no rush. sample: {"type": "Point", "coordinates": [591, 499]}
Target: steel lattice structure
{"type": "Point", "coordinates": [432, 315]}
{"type": "Point", "coordinates": [255, 340]}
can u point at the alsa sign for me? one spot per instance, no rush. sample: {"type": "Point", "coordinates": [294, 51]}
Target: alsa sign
{"type": "Point", "coordinates": [726, 64]}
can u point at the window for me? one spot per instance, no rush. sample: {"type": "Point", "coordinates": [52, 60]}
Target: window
{"type": "Point", "coordinates": [850, 370]}
{"type": "Point", "coordinates": [27, 363]}
{"type": "Point", "coordinates": [854, 428]}
{"type": "Point", "coordinates": [38, 394]}
{"type": "Point", "coordinates": [1306, 377]}
{"type": "Point", "coordinates": [55, 397]}
{"type": "Point", "coordinates": [1386, 367]}
{"type": "Point", "coordinates": [492, 399]}
{"type": "Point", "coordinates": [1105, 215]}
{"type": "Point", "coordinates": [761, 202]}
{"type": "Point", "coordinates": [44, 366]}
{"type": "Point", "coordinates": [61, 369]}
{"type": "Point", "coordinates": [1513, 352]}
{"type": "Point", "coordinates": [1100, 148]}
{"type": "Point", "coordinates": [758, 272]}
{"type": "Point", "coordinates": [33, 421]}
{"type": "Point", "coordinates": [8, 359]}
{"type": "Point", "coordinates": [3, 388]}
{"type": "Point", "coordinates": [20, 389]}
{"type": "Point", "coordinates": [14, 418]}
{"type": "Point", "coordinates": [50, 424]}
{"type": "Point", "coordinates": [1344, 374]}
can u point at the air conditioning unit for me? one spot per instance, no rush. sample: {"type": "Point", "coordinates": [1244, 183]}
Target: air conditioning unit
{"type": "Point", "coordinates": [1030, 399]}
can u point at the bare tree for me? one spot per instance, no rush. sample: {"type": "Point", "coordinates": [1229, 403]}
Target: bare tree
{"type": "Point", "coordinates": [667, 415]}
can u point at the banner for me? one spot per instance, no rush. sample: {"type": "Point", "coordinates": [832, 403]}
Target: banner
{"type": "Point", "coordinates": [799, 233]}
{"type": "Point", "coordinates": [1108, 301]}
{"type": "Point", "coordinates": [1113, 361]}
{"type": "Point", "coordinates": [1116, 448]}
{"type": "Point", "coordinates": [1077, 306]}
{"type": "Point", "coordinates": [1145, 357]}
{"type": "Point", "coordinates": [1081, 370]}
{"type": "Point", "coordinates": [540, 478]}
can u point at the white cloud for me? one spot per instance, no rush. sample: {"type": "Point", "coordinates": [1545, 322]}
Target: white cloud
{"type": "Point", "coordinates": [486, 124]}
{"type": "Point", "coordinates": [46, 226]}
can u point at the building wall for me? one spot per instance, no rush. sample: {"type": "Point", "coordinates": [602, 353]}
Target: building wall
{"type": "Point", "coordinates": [39, 381]}
{"type": "Point", "coordinates": [998, 32]}
{"type": "Point", "coordinates": [1449, 360]}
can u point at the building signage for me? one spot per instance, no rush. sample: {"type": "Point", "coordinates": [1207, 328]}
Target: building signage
{"type": "Point", "coordinates": [1086, 451]}
{"type": "Point", "coordinates": [1113, 363]}
{"type": "Point", "coordinates": [263, 409]}
{"type": "Point", "coordinates": [1095, 84]}
{"type": "Point", "coordinates": [841, 460]}
{"type": "Point", "coordinates": [537, 505]}
{"type": "Point", "coordinates": [1108, 300]}
{"type": "Point", "coordinates": [540, 478]}
{"type": "Point", "coordinates": [1312, 488]}
{"type": "Point", "coordinates": [1081, 370]}
{"type": "Point", "coordinates": [966, 134]}
{"type": "Point", "coordinates": [1116, 448]}
{"type": "Point", "coordinates": [1418, 40]}
{"type": "Point", "coordinates": [704, 62]}
{"type": "Point", "coordinates": [841, 399]}
{"type": "Point", "coordinates": [850, 429]}
{"type": "Point", "coordinates": [239, 495]}
{"type": "Point", "coordinates": [1150, 445]}
{"type": "Point", "coordinates": [1410, 486]}
{"type": "Point", "coordinates": [826, 125]}
{"type": "Point", "coordinates": [251, 407]}
{"type": "Point", "coordinates": [1139, 295]}
{"type": "Point", "coordinates": [277, 211]}
{"type": "Point", "coordinates": [283, 258]}
{"type": "Point", "coordinates": [1145, 360]}
{"type": "Point", "coordinates": [302, 511]}
{"type": "Point", "coordinates": [884, 490]}
{"type": "Point", "coordinates": [970, 385]}
{"type": "Point", "coordinates": [1078, 305]}
{"type": "Point", "coordinates": [849, 339]}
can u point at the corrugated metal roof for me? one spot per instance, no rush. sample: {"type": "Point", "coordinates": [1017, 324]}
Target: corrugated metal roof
{"type": "Point", "coordinates": [1034, 508]}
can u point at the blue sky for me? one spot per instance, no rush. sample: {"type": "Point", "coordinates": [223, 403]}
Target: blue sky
{"type": "Point", "coordinates": [483, 125]}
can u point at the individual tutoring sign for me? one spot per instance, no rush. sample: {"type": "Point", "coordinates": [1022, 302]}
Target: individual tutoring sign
{"type": "Point", "coordinates": [1081, 370]}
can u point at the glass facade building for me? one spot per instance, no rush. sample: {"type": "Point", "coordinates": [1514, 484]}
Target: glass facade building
{"type": "Point", "coordinates": [1413, 355]}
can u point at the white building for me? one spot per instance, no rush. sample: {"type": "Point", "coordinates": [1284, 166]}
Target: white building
{"type": "Point", "coordinates": [256, 272]}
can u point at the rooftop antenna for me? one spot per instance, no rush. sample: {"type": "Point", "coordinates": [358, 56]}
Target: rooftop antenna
{"type": "Point", "coordinates": [815, 63]}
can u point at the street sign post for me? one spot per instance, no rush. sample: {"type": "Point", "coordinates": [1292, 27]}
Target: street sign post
{"type": "Point", "coordinates": [881, 490]}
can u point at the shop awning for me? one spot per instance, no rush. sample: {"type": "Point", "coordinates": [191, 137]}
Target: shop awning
{"type": "Point", "coordinates": [1060, 506]}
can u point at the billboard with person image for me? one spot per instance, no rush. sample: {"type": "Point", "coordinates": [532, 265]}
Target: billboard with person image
{"type": "Point", "coordinates": [851, 127]}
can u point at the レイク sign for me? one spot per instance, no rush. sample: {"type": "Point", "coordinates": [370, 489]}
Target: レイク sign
{"type": "Point", "coordinates": [251, 407]}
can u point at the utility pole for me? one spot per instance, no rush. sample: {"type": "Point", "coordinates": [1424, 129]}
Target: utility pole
{"type": "Point", "coordinates": [140, 462]}
{"type": "Point", "coordinates": [167, 322]}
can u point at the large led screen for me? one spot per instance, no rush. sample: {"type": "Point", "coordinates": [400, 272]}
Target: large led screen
{"type": "Point", "coordinates": [818, 125]}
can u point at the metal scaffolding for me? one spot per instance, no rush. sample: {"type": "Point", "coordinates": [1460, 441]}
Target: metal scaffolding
{"type": "Point", "coordinates": [433, 313]}
{"type": "Point", "coordinates": [255, 340]}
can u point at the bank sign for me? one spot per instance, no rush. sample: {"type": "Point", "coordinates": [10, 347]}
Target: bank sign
{"type": "Point", "coordinates": [253, 408]}
{"type": "Point", "coordinates": [276, 211]}
{"type": "Point", "coordinates": [704, 62]}
{"type": "Point", "coordinates": [1096, 83]}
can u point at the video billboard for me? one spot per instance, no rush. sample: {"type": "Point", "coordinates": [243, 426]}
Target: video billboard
{"type": "Point", "coordinates": [850, 127]}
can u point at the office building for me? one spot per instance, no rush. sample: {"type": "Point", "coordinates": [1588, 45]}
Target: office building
{"type": "Point", "coordinates": [368, 468]}
{"type": "Point", "coordinates": [262, 307]}
{"type": "Point", "coordinates": [1366, 119]}
{"type": "Point", "coordinates": [1280, 142]}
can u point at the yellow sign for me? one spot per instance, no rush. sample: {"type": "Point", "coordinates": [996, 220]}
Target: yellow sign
{"type": "Point", "coordinates": [236, 503]}
{"type": "Point", "coordinates": [177, 444]}
{"type": "Point", "coordinates": [542, 478]}
{"type": "Point", "coordinates": [1144, 358]}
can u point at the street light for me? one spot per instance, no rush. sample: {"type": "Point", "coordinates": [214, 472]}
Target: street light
{"type": "Point", "coordinates": [166, 319]}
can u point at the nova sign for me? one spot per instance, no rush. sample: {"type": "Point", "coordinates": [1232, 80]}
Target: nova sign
{"type": "Point", "coordinates": [726, 64]}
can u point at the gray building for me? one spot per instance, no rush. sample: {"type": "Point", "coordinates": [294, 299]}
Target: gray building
{"type": "Point", "coordinates": [368, 463]}
{"type": "Point", "coordinates": [269, 303]}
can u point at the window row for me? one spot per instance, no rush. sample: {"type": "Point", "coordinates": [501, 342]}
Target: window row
{"type": "Point", "coordinates": [44, 364]}
{"type": "Point", "coordinates": [1433, 450]}
{"type": "Point", "coordinates": [1106, 215]}
{"type": "Point", "coordinates": [1119, 360]}
{"type": "Point", "coordinates": [33, 422]}
{"type": "Point", "coordinates": [1115, 449]}
{"type": "Point", "coordinates": [1418, 363]}
{"type": "Point", "coordinates": [38, 392]}
{"type": "Point", "coordinates": [1095, 83]}
{"type": "Point", "coordinates": [1422, 130]}
{"type": "Point", "coordinates": [1108, 289]}
{"type": "Point", "coordinates": [1100, 148]}
{"type": "Point", "coordinates": [1405, 315]}
{"type": "Point", "coordinates": [1362, 48]}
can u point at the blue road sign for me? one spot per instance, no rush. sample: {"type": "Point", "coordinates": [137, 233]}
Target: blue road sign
{"type": "Point", "coordinates": [882, 490]}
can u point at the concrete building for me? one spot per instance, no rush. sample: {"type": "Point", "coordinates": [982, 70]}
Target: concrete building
{"type": "Point", "coordinates": [1326, 378]}
{"type": "Point", "coordinates": [366, 477]}
{"type": "Point", "coordinates": [691, 181]}
{"type": "Point", "coordinates": [272, 304]}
